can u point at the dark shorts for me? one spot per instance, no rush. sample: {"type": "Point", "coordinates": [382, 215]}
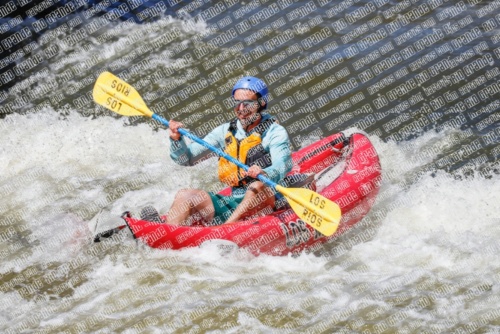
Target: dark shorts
{"type": "Point", "coordinates": [224, 206]}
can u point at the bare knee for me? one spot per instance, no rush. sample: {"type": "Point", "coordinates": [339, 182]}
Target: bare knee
{"type": "Point", "coordinates": [191, 205]}
{"type": "Point", "coordinates": [193, 198]}
{"type": "Point", "coordinates": [184, 193]}
{"type": "Point", "coordinates": [200, 204]}
{"type": "Point", "coordinates": [187, 194]}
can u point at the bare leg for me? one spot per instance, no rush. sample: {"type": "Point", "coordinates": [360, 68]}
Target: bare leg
{"type": "Point", "coordinates": [257, 198]}
{"type": "Point", "coordinates": [190, 204]}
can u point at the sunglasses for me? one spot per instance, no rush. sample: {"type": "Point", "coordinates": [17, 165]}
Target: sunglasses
{"type": "Point", "coordinates": [246, 103]}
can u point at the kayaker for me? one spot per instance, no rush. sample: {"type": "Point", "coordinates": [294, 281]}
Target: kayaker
{"type": "Point", "coordinates": [254, 138]}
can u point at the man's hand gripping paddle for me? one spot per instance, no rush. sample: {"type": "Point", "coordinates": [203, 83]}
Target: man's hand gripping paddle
{"type": "Point", "coordinates": [317, 211]}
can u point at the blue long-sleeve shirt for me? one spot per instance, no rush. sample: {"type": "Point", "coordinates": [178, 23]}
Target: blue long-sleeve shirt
{"type": "Point", "coordinates": [274, 140]}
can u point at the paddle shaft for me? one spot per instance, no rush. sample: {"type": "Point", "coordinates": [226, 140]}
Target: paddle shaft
{"type": "Point", "coordinates": [214, 149]}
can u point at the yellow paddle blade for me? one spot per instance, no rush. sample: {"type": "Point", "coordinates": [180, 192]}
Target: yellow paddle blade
{"type": "Point", "coordinates": [111, 102]}
{"type": "Point", "coordinates": [317, 211]}
{"type": "Point", "coordinates": [116, 95]}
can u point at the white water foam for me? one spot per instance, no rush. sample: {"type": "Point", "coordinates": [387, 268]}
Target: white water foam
{"type": "Point", "coordinates": [442, 230]}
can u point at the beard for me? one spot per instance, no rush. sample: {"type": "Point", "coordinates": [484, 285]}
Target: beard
{"type": "Point", "coordinates": [249, 120]}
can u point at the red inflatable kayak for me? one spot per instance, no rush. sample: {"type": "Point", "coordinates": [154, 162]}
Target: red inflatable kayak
{"type": "Point", "coordinates": [347, 170]}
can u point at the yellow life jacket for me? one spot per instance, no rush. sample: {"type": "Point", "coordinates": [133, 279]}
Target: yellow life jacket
{"type": "Point", "coordinates": [249, 151]}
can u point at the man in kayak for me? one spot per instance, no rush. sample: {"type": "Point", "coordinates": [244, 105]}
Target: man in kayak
{"type": "Point", "coordinates": [255, 139]}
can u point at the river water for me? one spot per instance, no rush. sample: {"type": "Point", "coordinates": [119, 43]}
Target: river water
{"type": "Point", "coordinates": [420, 77]}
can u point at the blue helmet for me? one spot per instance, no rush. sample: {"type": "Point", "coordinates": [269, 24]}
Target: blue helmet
{"type": "Point", "coordinates": [253, 84]}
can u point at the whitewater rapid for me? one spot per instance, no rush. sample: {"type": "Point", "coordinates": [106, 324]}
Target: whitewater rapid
{"type": "Point", "coordinates": [427, 253]}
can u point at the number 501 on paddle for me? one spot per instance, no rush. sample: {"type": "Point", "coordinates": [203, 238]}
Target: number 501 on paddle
{"type": "Point", "coordinates": [312, 217]}
{"type": "Point", "coordinates": [114, 104]}
{"type": "Point", "coordinates": [317, 201]}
